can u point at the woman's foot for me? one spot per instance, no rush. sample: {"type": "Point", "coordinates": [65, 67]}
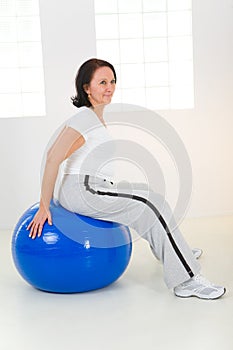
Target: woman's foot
{"type": "Point", "coordinates": [199, 287]}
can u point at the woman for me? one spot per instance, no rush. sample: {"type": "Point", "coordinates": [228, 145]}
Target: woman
{"type": "Point", "coordinates": [87, 187]}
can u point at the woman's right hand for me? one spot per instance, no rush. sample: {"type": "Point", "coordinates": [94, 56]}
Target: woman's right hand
{"type": "Point", "coordinates": [36, 225]}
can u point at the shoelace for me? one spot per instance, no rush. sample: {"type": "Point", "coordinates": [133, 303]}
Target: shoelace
{"type": "Point", "coordinates": [203, 281]}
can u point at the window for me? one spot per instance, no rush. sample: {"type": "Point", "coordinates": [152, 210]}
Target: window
{"type": "Point", "coordinates": [21, 67]}
{"type": "Point", "coordinates": [150, 44]}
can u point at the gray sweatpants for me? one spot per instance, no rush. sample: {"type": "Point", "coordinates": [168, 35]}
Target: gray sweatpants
{"type": "Point", "coordinates": [138, 207]}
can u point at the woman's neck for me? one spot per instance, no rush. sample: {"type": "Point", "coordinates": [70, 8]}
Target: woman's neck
{"type": "Point", "coordinates": [99, 110]}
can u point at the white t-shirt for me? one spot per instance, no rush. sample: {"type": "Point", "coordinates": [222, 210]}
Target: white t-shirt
{"type": "Point", "coordinates": [96, 155]}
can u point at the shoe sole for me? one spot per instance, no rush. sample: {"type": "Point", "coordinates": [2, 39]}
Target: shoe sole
{"type": "Point", "coordinates": [199, 297]}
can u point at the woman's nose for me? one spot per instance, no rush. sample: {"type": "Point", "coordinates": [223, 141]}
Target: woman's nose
{"type": "Point", "coordinates": [110, 87]}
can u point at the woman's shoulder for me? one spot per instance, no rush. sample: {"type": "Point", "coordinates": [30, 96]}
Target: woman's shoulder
{"type": "Point", "coordinates": [82, 120]}
{"type": "Point", "coordinates": [82, 112]}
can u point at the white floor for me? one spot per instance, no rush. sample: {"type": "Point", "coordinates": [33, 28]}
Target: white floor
{"type": "Point", "coordinates": [136, 312]}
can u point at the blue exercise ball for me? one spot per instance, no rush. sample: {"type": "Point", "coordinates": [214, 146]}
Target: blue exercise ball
{"type": "Point", "coordinates": [75, 254]}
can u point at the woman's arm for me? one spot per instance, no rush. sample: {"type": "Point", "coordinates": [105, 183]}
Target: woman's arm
{"type": "Point", "coordinates": [68, 141]}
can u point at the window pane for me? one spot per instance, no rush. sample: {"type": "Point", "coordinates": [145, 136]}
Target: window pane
{"type": "Point", "coordinates": [105, 6]}
{"type": "Point", "coordinates": [27, 7]}
{"type": "Point", "coordinates": [117, 98]}
{"type": "Point", "coordinates": [109, 50]}
{"type": "Point", "coordinates": [131, 50]}
{"type": "Point", "coordinates": [107, 26]}
{"type": "Point", "coordinates": [132, 75]}
{"type": "Point", "coordinates": [33, 104]}
{"type": "Point", "coordinates": [129, 6]}
{"type": "Point", "coordinates": [152, 5]}
{"type": "Point", "coordinates": [182, 97]}
{"type": "Point", "coordinates": [11, 105]}
{"type": "Point", "coordinates": [179, 23]}
{"type": "Point", "coordinates": [130, 26]}
{"type": "Point", "coordinates": [9, 55]}
{"type": "Point", "coordinates": [134, 96]}
{"type": "Point", "coordinates": [30, 54]}
{"type": "Point", "coordinates": [174, 5]}
{"type": "Point", "coordinates": [32, 79]}
{"type": "Point", "coordinates": [180, 48]}
{"type": "Point", "coordinates": [28, 29]}
{"type": "Point", "coordinates": [8, 30]}
{"type": "Point", "coordinates": [7, 8]}
{"type": "Point", "coordinates": [21, 62]}
{"type": "Point", "coordinates": [9, 80]}
{"type": "Point", "coordinates": [155, 25]}
{"type": "Point", "coordinates": [157, 98]}
{"type": "Point", "coordinates": [155, 50]}
{"type": "Point", "coordinates": [181, 73]}
{"type": "Point", "coordinates": [156, 74]}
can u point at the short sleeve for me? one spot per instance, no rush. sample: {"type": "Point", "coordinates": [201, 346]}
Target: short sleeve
{"type": "Point", "coordinates": [83, 121]}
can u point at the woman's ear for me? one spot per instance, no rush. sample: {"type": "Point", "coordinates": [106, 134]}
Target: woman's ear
{"type": "Point", "coordinates": [86, 88]}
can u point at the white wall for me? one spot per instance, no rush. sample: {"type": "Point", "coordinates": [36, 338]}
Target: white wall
{"type": "Point", "coordinates": [207, 130]}
{"type": "Point", "coordinates": [69, 39]}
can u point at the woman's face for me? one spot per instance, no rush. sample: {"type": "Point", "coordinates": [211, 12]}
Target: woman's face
{"type": "Point", "coordinates": [101, 87]}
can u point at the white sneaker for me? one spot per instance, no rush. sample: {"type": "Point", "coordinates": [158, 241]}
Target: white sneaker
{"type": "Point", "coordinates": [199, 287]}
{"type": "Point", "coordinates": [197, 252]}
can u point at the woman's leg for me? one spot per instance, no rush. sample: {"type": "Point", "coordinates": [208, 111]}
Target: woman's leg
{"type": "Point", "coordinates": [140, 209]}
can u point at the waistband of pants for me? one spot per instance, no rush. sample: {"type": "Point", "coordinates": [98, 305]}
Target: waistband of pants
{"type": "Point", "coordinates": [92, 179]}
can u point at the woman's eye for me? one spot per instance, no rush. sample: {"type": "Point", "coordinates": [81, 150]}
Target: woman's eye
{"type": "Point", "coordinates": [103, 82]}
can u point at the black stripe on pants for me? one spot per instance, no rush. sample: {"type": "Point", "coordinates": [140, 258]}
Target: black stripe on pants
{"type": "Point", "coordinates": [155, 210]}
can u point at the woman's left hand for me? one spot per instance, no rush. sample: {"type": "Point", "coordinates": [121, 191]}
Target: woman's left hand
{"type": "Point", "coordinates": [36, 225]}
